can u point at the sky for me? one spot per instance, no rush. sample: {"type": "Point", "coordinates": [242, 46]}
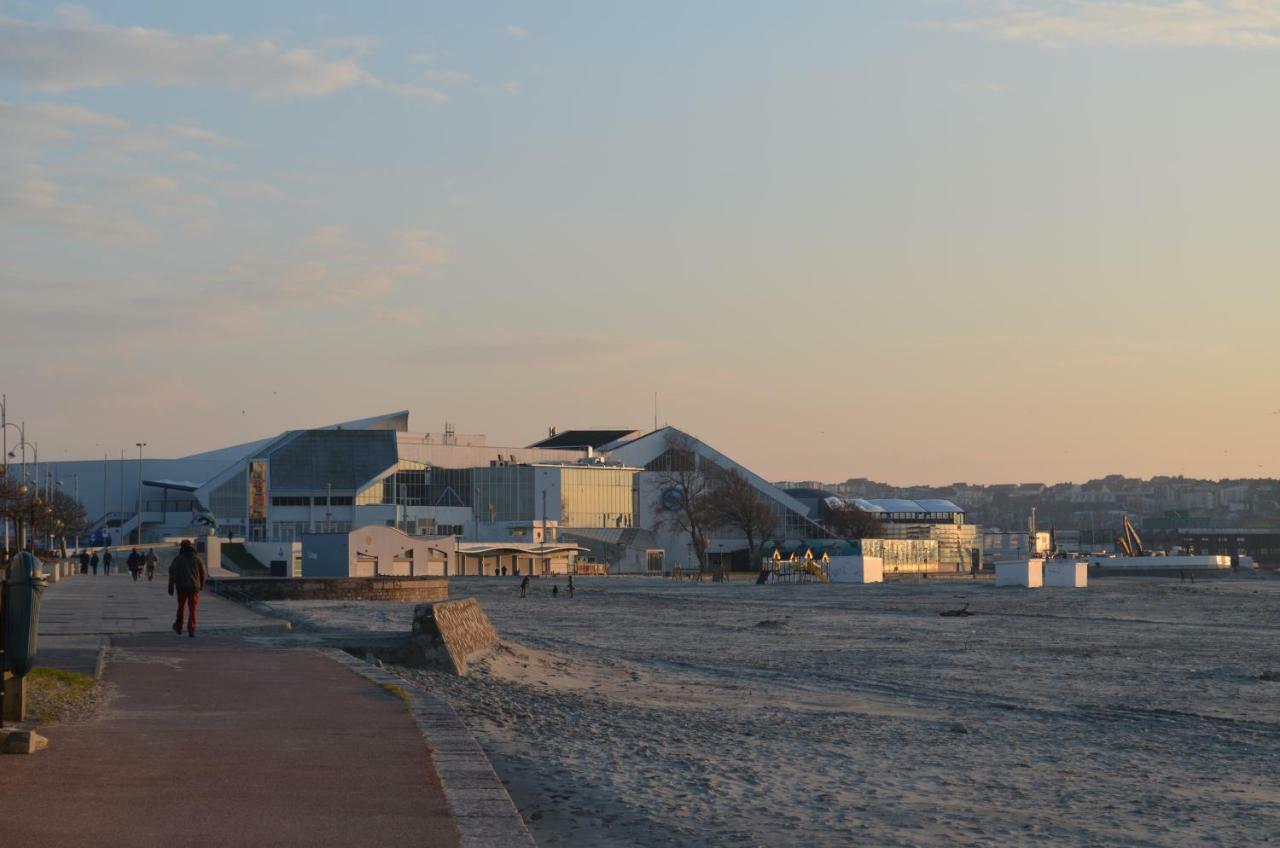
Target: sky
{"type": "Point", "coordinates": [921, 241]}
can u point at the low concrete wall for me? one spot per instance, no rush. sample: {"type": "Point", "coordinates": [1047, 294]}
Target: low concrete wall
{"type": "Point", "coordinates": [408, 589]}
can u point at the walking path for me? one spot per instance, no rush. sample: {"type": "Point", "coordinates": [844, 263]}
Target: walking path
{"type": "Point", "coordinates": [214, 741]}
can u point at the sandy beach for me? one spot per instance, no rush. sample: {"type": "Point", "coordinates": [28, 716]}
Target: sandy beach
{"type": "Point", "coordinates": [642, 712]}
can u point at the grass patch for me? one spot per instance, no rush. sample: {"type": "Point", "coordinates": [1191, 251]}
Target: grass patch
{"type": "Point", "coordinates": [398, 691]}
{"type": "Point", "coordinates": [56, 695]}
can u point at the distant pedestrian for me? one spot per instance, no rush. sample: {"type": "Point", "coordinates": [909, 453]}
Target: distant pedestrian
{"type": "Point", "coordinates": [555, 590]}
{"type": "Point", "coordinates": [93, 563]}
{"type": "Point", "coordinates": [186, 577]}
{"type": "Point", "coordinates": [84, 562]}
{"type": "Point", "coordinates": [152, 562]}
{"type": "Point", "coordinates": [135, 564]}
{"type": "Point", "coordinates": [106, 563]}
{"type": "Point", "coordinates": [571, 585]}
{"type": "Point", "coordinates": [524, 586]}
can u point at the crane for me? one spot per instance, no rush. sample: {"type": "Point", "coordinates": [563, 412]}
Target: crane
{"type": "Point", "coordinates": [1130, 542]}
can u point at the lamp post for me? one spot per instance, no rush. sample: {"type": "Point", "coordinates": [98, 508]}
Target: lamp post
{"type": "Point", "coordinates": [23, 488]}
{"type": "Point", "coordinates": [140, 446]}
{"type": "Point", "coordinates": [4, 456]}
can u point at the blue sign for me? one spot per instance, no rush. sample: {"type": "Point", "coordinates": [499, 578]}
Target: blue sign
{"type": "Point", "coordinates": [673, 499]}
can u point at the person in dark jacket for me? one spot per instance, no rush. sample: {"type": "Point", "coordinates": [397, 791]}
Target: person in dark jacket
{"type": "Point", "coordinates": [135, 565]}
{"type": "Point", "coordinates": [524, 586]}
{"type": "Point", "coordinates": [84, 562]}
{"type": "Point", "coordinates": [186, 577]}
{"type": "Point", "coordinates": [93, 563]}
{"type": "Point", "coordinates": [152, 562]}
{"type": "Point", "coordinates": [106, 563]}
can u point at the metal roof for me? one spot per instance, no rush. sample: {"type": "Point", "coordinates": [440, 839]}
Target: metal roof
{"type": "Point", "coordinates": [895, 505]}
{"type": "Point", "coordinates": [594, 439]}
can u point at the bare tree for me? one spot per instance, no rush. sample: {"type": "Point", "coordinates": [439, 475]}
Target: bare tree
{"type": "Point", "coordinates": [737, 504]}
{"type": "Point", "coordinates": [850, 522]}
{"type": "Point", "coordinates": [685, 493]}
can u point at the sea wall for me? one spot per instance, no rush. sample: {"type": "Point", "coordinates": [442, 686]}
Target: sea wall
{"type": "Point", "coordinates": [407, 589]}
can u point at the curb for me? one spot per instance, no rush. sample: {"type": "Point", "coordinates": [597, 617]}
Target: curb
{"type": "Point", "coordinates": [479, 803]}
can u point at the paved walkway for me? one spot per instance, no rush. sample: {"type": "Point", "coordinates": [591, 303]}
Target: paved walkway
{"type": "Point", "coordinates": [214, 742]}
{"type": "Point", "coordinates": [80, 613]}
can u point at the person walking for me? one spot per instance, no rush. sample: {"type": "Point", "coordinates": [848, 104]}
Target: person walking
{"type": "Point", "coordinates": [570, 585]}
{"type": "Point", "coordinates": [84, 562]}
{"type": "Point", "coordinates": [93, 563]}
{"type": "Point", "coordinates": [135, 567]}
{"type": "Point", "coordinates": [152, 562]}
{"type": "Point", "coordinates": [186, 578]}
{"type": "Point", "coordinates": [524, 586]}
{"type": "Point", "coordinates": [106, 563]}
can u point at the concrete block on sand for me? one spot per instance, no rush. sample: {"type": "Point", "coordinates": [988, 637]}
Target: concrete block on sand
{"type": "Point", "coordinates": [22, 741]}
{"type": "Point", "coordinates": [1067, 574]}
{"type": "Point", "coordinates": [855, 569]}
{"type": "Point", "coordinates": [1022, 572]}
{"type": "Point", "coordinates": [452, 634]}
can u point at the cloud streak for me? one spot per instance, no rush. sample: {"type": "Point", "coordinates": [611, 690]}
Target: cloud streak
{"type": "Point", "coordinates": [77, 52]}
{"type": "Point", "coordinates": [1239, 24]}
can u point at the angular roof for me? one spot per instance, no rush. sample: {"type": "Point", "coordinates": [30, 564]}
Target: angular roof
{"type": "Point", "coordinates": [886, 505]}
{"type": "Point", "coordinates": [595, 439]}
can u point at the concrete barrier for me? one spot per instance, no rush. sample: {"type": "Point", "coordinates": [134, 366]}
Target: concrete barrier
{"type": "Point", "coordinates": [1021, 572]}
{"type": "Point", "coordinates": [855, 569]}
{"type": "Point", "coordinates": [1066, 574]}
{"type": "Point", "coordinates": [453, 634]}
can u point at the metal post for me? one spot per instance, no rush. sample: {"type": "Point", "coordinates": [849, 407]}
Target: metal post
{"type": "Point", "coordinates": [140, 445]}
{"type": "Point", "coordinates": [120, 540]}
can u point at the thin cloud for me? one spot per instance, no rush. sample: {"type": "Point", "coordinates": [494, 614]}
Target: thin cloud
{"type": "Point", "coordinates": [1241, 24]}
{"type": "Point", "coordinates": [190, 133]}
{"type": "Point", "coordinates": [75, 52]}
{"type": "Point", "coordinates": [516, 31]}
{"type": "Point", "coordinates": [545, 350]}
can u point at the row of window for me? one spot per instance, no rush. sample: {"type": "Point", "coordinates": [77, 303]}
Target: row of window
{"type": "Point", "coordinates": [307, 500]}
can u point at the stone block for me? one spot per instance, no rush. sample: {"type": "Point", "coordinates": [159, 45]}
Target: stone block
{"type": "Point", "coordinates": [22, 742]}
{"type": "Point", "coordinates": [1022, 572]}
{"type": "Point", "coordinates": [1067, 574]}
{"type": "Point", "coordinates": [453, 634]}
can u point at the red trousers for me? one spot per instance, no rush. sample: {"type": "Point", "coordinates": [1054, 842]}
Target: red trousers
{"type": "Point", "coordinates": [189, 601]}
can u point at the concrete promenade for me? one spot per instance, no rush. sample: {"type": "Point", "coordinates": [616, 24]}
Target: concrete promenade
{"type": "Point", "coordinates": [214, 741]}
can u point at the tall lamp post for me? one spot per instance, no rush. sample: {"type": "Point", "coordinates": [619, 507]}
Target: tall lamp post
{"type": "Point", "coordinates": [140, 445]}
{"type": "Point", "coordinates": [4, 455]}
{"type": "Point", "coordinates": [23, 487]}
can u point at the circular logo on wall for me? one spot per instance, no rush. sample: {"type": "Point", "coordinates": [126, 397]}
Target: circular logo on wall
{"type": "Point", "coordinates": [673, 499]}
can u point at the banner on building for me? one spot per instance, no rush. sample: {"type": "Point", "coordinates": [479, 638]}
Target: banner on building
{"type": "Point", "coordinates": [257, 490]}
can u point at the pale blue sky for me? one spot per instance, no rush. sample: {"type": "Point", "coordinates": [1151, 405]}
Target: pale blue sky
{"type": "Point", "coordinates": [911, 240]}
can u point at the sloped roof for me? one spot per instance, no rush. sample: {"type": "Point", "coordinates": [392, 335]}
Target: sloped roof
{"type": "Point", "coordinates": [594, 439]}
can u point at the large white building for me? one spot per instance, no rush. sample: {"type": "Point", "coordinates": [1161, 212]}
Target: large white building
{"type": "Point", "coordinates": [598, 488]}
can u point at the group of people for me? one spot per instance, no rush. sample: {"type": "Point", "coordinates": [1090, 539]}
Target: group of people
{"type": "Point", "coordinates": [138, 563]}
{"type": "Point", "coordinates": [555, 587]}
{"type": "Point", "coordinates": [187, 576]}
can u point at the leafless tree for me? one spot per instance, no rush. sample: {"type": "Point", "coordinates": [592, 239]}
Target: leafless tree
{"type": "Point", "coordinates": [684, 497]}
{"type": "Point", "coordinates": [737, 504]}
{"type": "Point", "coordinates": [850, 522]}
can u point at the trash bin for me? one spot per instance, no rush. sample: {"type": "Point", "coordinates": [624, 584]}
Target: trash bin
{"type": "Point", "coordinates": [22, 612]}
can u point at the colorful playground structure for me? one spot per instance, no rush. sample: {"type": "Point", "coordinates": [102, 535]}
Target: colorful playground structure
{"type": "Point", "coordinates": [794, 569]}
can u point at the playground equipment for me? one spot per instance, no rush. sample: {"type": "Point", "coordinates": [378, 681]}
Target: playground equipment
{"type": "Point", "coordinates": [795, 569]}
